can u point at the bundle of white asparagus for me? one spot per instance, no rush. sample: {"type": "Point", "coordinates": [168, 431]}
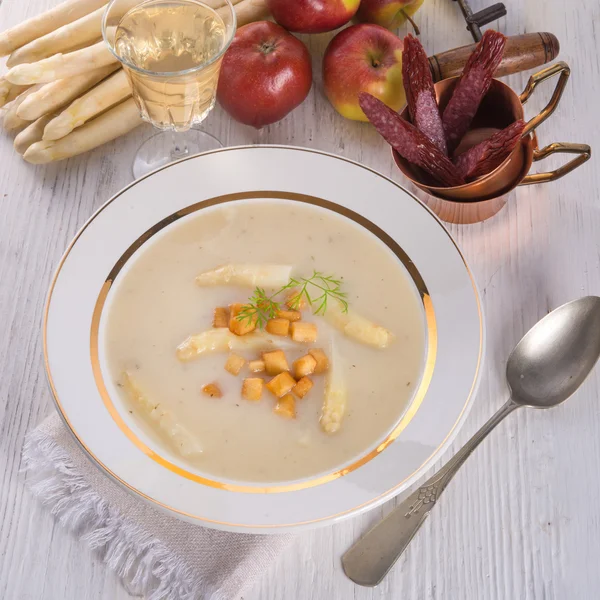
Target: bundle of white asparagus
{"type": "Point", "coordinates": [64, 91]}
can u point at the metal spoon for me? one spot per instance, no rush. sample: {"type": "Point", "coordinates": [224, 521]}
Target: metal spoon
{"type": "Point", "coordinates": [546, 367]}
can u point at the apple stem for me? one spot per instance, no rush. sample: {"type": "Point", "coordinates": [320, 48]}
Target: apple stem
{"type": "Point", "coordinates": [414, 25]}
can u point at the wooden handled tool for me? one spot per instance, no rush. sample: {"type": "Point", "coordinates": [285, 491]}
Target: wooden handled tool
{"type": "Point", "coordinates": [522, 52]}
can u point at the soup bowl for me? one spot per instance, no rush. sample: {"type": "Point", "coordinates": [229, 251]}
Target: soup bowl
{"type": "Point", "coordinates": [122, 252]}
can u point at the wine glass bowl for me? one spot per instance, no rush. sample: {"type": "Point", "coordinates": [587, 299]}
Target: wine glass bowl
{"type": "Point", "coordinates": [171, 51]}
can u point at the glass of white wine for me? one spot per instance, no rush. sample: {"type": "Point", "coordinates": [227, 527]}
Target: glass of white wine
{"type": "Point", "coordinates": [171, 51]}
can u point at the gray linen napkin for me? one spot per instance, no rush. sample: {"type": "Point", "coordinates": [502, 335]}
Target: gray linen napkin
{"type": "Point", "coordinates": [156, 555]}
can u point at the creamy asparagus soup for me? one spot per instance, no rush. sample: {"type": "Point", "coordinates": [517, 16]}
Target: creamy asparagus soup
{"type": "Point", "coordinates": [265, 340]}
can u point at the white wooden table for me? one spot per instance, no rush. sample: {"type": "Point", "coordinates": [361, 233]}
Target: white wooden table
{"type": "Point", "coordinates": [522, 519]}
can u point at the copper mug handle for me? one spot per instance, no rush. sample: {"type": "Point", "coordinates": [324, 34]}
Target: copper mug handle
{"type": "Point", "coordinates": [583, 151]}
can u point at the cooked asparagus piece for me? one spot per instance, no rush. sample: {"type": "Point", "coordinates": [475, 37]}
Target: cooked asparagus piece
{"type": "Point", "coordinates": [112, 90]}
{"type": "Point", "coordinates": [44, 23]}
{"type": "Point", "coordinates": [60, 66]}
{"type": "Point", "coordinates": [77, 34]}
{"type": "Point", "coordinates": [52, 96]}
{"type": "Point", "coordinates": [31, 134]}
{"type": "Point", "coordinates": [115, 122]}
{"type": "Point", "coordinates": [181, 439]}
{"type": "Point", "coordinates": [222, 340]}
{"type": "Point", "coordinates": [357, 327]}
{"type": "Point", "coordinates": [246, 275]}
{"type": "Point", "coordinates": [336, 396]}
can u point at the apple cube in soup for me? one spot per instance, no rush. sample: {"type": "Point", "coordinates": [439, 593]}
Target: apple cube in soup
{"type": "Point", "coordinates": [295, 300]}
{"type": "Point", "coordinates": [234, 364]}
{"type": "Point", "coordinates": [303, 332]}
{"type": "Point", "coordinates": [281, 384]}
{"type": "Point", "coordinates": [290, 315]}
{"type": "Point", "coordinates": [252, 388]}
{"type": "Point", "coordinates": [305, 365]}
{"type": "Point", "coordinates": [302, 387]}
{"type": "Point", "coordinates": [278, 326]}
{"type": "Point", "coordinates": [221, 317]}
{"type": "Point", "coordinates": [256, 366]}
{"type": "Point", "coordinates": [321, 360]}
{"type": "Point", "coordinates": [275, 362]}
{"type": "Point", "coordinates": [212, 390]}
{"type": "Point", "coordinates": [240, 324]}
{"type": "Point", "coordinates": [286, 407]}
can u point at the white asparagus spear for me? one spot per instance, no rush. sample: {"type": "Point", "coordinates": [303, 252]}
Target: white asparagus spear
{"type": "Point", "coordinates": [358, 327]}
{"type": "Point", "coordinates": [109, 92]}
{"type": "Point", "coordinates": [179, 436]}
{"type": "Point", "coordinates": [77, 34]}
{"type": "Point", "coordinates": [11, 119]}
{"type": "Point", "coordinates": [222, 340]}
{"type": "Point", "coordinates": [247, 11]}
{"type": "Point", "coordinates": [336, 395]}
{"type": "Point", "coordinates": [117, 121]}
{"type": "Point", "coordinates": [246, 275]}
{"type": "Point", "coordinates": [60, 66]}
{"type": "Point", "coordinates": [9, 91]}
{"type": "Point", "coordinates": [52, 96]}
{"type": "Point", "coordinates": [31, 134]}
{"type": "Point", "coordinates": [44, 23]}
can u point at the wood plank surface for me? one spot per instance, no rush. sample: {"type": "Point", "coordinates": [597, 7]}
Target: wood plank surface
{"type": "Point", "coordinates": [521, 521]}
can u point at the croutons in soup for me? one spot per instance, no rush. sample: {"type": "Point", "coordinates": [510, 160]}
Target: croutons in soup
{"type": "Point", "coordinates": [265, 340]}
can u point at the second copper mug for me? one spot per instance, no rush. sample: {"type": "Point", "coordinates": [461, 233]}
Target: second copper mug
{"type": "Point", "coordinates": [484, 197]}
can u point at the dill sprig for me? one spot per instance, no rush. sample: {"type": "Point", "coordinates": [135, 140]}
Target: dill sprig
{"type": "Point", "coordinates": [318, 290]}
{"type": "Point", "coordinates": [259, 308]}
{"type": "Point", "coordinates": [327, 287]}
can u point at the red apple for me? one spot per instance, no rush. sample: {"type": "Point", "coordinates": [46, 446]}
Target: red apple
{"type": "Point", "coordinates": [312, 16]}
{"type": "Point", "coordinates": [266, 73]}
{"type": "Point", "coordinates": [363, 58]}
{"type": "Point", "coordinates": [388, 13]}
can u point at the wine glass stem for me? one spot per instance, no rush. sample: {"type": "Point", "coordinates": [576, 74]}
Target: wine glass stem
{"type": "Point", "coordinates": [178, 151]}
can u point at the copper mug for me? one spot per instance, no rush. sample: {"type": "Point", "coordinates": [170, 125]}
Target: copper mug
{"type": "Point", "coordinates": [484, 197]}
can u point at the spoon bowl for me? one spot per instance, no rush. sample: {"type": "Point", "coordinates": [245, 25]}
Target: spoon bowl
{"type": "Point", "coordinates": [556, 355]}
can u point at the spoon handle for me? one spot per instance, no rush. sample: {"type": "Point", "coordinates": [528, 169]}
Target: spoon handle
{"type": "Point", "coordinates": [369, 560]}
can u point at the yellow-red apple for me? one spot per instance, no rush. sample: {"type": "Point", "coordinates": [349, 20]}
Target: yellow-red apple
{"type": "Point", "coordinates": [388, 13]}
{"type": "Point", "coordinates": [363, 58]}
{"type": "Point", "coordinates": [312, 16]}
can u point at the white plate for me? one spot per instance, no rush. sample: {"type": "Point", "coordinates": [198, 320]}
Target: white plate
{"type": "Point", "coordinates": [111, 438]}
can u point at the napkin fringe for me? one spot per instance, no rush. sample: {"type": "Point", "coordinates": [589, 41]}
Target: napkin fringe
{"type": "Point", "coordinates": [145, 564]}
